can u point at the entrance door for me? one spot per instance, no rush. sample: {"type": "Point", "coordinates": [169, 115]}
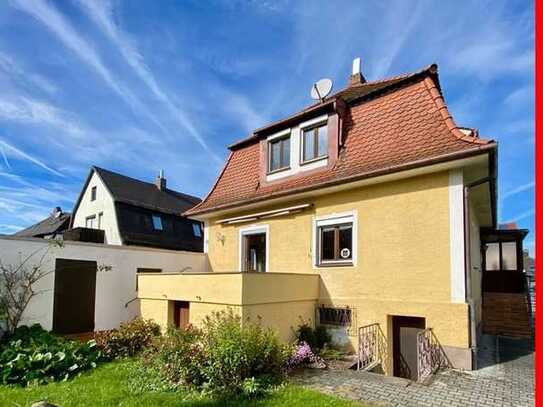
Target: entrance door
{"type": "Point", "coordinates": [181, 314]}
{"type": "Point", "coordinates": [404, 345]}
{"type": "Point", "coordinates": [74, 296]}
{"type": "Point", "coordinates": [254, 247]}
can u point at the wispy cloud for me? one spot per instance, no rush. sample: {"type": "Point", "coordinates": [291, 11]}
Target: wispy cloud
{"type": "Point", "coordinates": [521, 97]}
{"type": "Point", "coordinates": [17, 72]}
{"type": "Point", "coordinates": [517, 190]}
{"type": "Point", "coordinates": [5, 158]}
{"type": "Point", "coordinates": [101, 12]}
{"type": "Point", "coordinates": [21, 154]}
{"type": "Point", "coordinates": [26, 110]}
{"type": "Point", "coordinates": [58, 25]}
{"type": "Point", "coordinates": [523, 215]}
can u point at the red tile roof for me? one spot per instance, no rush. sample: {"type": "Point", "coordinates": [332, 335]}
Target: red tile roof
{"type": "Point", "coordinates": [391, 125]}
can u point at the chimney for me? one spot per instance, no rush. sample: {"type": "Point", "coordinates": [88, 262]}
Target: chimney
{"type": "Point", "coordinates": [160, 181]}
{"type": "Point", "coordinates": [57, 211]}
{"type": "Point", "coordinates": [356, 76]}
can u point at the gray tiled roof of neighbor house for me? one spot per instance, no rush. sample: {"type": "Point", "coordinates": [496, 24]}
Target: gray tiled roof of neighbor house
{"type": "Point", "coordinates": [49, 226]}
{"type": "Point", "coordinates": [145, 194]}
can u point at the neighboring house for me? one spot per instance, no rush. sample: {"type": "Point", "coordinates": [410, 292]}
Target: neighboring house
{"type": "Point", "coordinates": [133, 212]}
{"type": "Point", "coordinates": [364, 212]}
{"type": "Point", "coordinates": [51, 227]}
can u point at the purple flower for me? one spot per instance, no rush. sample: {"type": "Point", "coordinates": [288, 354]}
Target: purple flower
{"type": "Point", "coordinates": [302, 354]}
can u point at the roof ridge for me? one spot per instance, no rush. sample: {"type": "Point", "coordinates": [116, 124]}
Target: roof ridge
{"type": "Point", "coordinates": [184, 195]}
{"type": "Point", "coordinates": [441, 106]}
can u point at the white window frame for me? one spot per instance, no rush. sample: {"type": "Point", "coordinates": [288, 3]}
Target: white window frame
{"type": "Point", "coordinates": [91, 218]}
{"type": "Point", "coordinates": [253, 230]}
{"type": "Point", "coordinates": [93, 193]}
{"type": "Point", "coordinates": [323, 122]}
{"type": "Point", "coordinates": [317, 121]}
{"type": "Point", "coordinates": [100, 220]}
{"type": "Point", "coordinates": [335, 219]}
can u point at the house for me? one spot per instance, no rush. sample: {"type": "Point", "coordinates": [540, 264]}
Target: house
{"type": "Point", "coordinates": [120, 227]}
{"type": "Point", "coordinates": [134, 212]}
{"type": "Point", "coordinates": [51, 227]}
{"type": "Point", "coordinates": [364, 212]}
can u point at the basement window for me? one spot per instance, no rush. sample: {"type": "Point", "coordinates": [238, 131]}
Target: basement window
{"type": "Point", "coordinates": [335, 316]}
{"type": "Point", "coordinates": [157, 222]}
{"type": "Point", "coordinates": [279, 154]}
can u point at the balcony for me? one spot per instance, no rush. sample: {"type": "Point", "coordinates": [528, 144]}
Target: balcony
{"type": "Point", "coordinates": [229, 288]}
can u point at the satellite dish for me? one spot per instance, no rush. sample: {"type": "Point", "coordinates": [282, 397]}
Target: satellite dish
{"type": "Point", "coordinates": [321, 89]}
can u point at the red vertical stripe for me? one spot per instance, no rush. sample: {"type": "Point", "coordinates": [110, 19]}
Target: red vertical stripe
{"type": "Point", "coordinates": [539, 199]}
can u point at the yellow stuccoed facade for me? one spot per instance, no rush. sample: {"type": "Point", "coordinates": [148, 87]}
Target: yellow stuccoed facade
{"type": "Point", "coordinates": [403, 266]}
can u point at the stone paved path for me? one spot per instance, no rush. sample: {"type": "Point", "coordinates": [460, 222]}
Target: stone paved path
{"type": "Point", "coordinates": [505, 378]}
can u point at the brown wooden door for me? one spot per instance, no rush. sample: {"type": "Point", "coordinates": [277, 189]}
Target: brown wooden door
{"type": "Point", "coordinates": [74, 296]}
{"type": "Point", "coordinates": [181, 314]}
{"type": "Point", "coordinates": [404, 345]}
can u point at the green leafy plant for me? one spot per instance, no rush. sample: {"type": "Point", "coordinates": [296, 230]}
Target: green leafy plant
{"type": "Point", "coordinates": [225, 357]}
{"type": "Point", "coordinates": [129, 339]}
{"type": "Point", "coordinates": [317, 338]}
{"type": "Point", "coordinates": [31, 355]}
{"type": "Point", "coordinates": [237, 351]}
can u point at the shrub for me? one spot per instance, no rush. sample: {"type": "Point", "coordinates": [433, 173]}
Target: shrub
{"type": "Point", "coordinates": [31, 355]}
{"type": "Point", "coordinates": [178, 357]}
{"type": "Point", "coordinates": [129, 339]}
{"type": "Point", "coordinates": [316, 338]}
{"type": "Point", "coordinates": [224, 358]}
{"type": "Point", "coordinates": [235, 352]}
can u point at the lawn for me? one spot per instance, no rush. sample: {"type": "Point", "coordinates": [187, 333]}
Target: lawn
{"type": "Point", "coordinates": [107, 386]}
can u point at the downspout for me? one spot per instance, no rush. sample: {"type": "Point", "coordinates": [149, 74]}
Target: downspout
{"type": "Point", "coordinates": [467, 266]}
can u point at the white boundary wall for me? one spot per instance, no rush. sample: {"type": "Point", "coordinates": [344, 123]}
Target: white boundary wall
{"type": "Point", "coordinates": [115, 288]}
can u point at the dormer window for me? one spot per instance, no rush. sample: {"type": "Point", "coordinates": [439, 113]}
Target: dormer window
{"type": "Point", "coordinates": [279, 153]}
{"type": "Point", "coordinates": [315, 142]}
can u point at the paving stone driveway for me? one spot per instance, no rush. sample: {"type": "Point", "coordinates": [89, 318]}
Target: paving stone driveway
{"type": "Point", "coordinates": [505, 378]}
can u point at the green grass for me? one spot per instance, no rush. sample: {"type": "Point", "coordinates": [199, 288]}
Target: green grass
{"type": "Point", "coordinates": [107, 386]}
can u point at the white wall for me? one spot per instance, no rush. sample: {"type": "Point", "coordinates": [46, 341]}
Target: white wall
{"type": "Point", "coordinates": [102, 204]}
{"type": "Point", "coordinates": [114, 288]}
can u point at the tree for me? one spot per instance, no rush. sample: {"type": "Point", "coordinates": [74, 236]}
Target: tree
{"type": "Point", "coordinates": [19, 283]}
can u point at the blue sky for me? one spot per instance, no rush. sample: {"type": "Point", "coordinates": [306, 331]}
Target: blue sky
{"type": "Point", "coordinates": [137, 86]}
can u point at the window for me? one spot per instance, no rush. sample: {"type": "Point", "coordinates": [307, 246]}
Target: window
{"type": "Point", "coordinates": [335, 316]}
{"type": "Point", "coordinates": [501, 256]}
{"type": "Point", "coordinates": [90, 222]}
{"type": "Point", "coordinates": [196, 230]}
{"type": "Point", "coordinates": [93, 194]}
{"type": "Point", "coordinates": [279, 154]}
{"type": "Point", "coordinates": [100, 220]}
{"type": "Point", "coordinates": [335, 240]}
{"type": "Point", "coordinates": [157, 222]}
{"type": "Point", "coordinates": [315, 142]}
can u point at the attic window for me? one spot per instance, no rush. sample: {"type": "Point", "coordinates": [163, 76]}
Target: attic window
{"type": "Point", "coordinates": [93, 194]}
{"type": "Point", "coordinates": [196, 231]}
{"type": "Point", "coordinates": [315, 142]}
{"type": "Point", "coordinates": [157, 222]}
{"type": "Point", "coordinates": [279, 153]}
